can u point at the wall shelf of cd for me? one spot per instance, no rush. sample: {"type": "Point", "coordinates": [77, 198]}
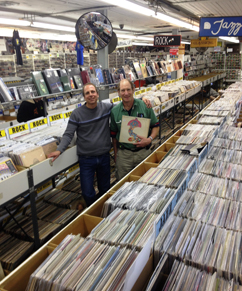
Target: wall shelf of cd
{"type": "Point", "coordinates": [117, 59]}
{"type": "Point", "coordinates": [90, 59]}
{"type": "Point", "coordinates": [231, 63]}
{"type": "Point", "coordinates": [7, 66]}
{"type": "Point", "coordinates": [199, 65]}
{"type": "Point", "coordinates": [35, 62]}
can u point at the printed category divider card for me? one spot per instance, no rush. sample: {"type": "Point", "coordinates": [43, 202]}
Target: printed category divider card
{"type": "Point", "coordinates": [3, 135]}
{"type": "Point", "coordinates": [133, 126]}
{"type": "Point", "coordinates": [55, 118]}
{"type": "Point", "coordinates": [38, 123]}
{"type": "Point", "coordinates": [17, 130]}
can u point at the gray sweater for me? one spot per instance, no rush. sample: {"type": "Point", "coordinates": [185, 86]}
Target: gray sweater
{"type": "Point", "coordinates": [92, 128]}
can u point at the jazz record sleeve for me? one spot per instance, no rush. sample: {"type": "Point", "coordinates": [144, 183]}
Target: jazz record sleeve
{"type": "Point", "coordinates": [40, 83]}
{"type": "Point", "coordinates": [133, 126]}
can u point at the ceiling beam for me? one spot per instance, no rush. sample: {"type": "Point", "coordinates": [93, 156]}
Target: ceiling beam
{"type": "Point", "coordinates": [81, 9]}
{"type": "Point", "coordinates": [55, 14]}
{"type": "Point", "coordinates": [174, 8]}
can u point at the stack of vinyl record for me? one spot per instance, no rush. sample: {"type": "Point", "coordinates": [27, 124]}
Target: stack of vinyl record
{"type": "Point", "coordinates": [221, 169]}
{"type": "Point", "coordinates": [226, 155]}
{"type": "Point", "coordinates": [227, 143]}
{"type": "Point", "coordinates": [200, 127]}
{"type": "Point", "coordinates": [210, 120]}
{"type": "Point", "coordinates": [73, 186]}
{"type": "Point", "coordinates": [224, 188]}
{"type": "Point", "coordinates": [164, 177]}
{"type": "Point", "coordinates": [82, 264]}
{"type": "Point", "coordinates": [184, 277]}
{"type": "Point", "coordinates": [182, 162]}
{"type": "Point", "coordinates": [230, 132]}
{"type": "Point", "coordinates": [61, 216]}
{"type": "Point", "coordinates": [125, 228]}
{"type": "Point", "coordinates": [61, 198]}
{"type": "Point", "coordinates": [46, 229]}
{"type": "Point", "coordinates": [210, 209]}
{"type": "Point", "coordinates": [139, 196]}
{"type": "Point", "coordinates": [53, 214]}
{"type": "Point", "coordinates": [215, 112]}
{"type": "Point", "coordinates": [195, 137]}
{"type": "Point", "coordinates": [13, 251]}
{"type": "Point", "coordinates": [202, 244]}
{"type": "Point", "coordinates": [27, 154]}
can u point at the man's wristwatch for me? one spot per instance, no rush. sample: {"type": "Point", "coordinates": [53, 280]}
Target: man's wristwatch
{"type": "Point", "coordinates": [151, 138]}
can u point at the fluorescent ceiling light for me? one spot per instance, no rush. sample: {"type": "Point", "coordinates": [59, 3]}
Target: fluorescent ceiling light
{"type": "Point", "coordinates": [185, 42]}
{"type": "Point", "coordinates": [148, 12]}
{"type": "Point", "coordinates": [131, 6]}
{"type": "Point", "coordinates": [14, 22]}
{"type": "Point", "coordinates": [129, 36]}
{"type": "Point", "coordinates": [230, 39]}
{"type": "Point", "coordinates": [142, 43]}
{"type": "Point", "coordinates": [38, 35]}
{"type": "Point", "coordinates": [36, 24]}
{"type": "Point", "coordinates": [175, 21]}
{"type": "Point", "coordinates": [52, 26]}
{"type": "Point", "coordinates": [64, 37]}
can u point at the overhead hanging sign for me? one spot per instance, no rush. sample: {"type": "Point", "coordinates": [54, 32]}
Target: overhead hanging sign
{"type": "Point", "coordinates": [221, 26]}
{"type": "Point", "coordinates": [167, 40]}
{"type": "Point", "coordinates": [207, 42]}
{"type": "Point", "coordinates": [181, 49]}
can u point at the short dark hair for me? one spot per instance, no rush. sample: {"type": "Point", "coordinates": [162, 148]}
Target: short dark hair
{"type": "Point", "coordinates": [83, 89]}
{"type": "Point", "coordinates": [131, 84]}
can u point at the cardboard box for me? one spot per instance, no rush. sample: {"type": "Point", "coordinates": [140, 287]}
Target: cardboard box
{"type": "Point", "coordinates": [32, 157]}
{"type": "Point", "coordinates": [49, 148]}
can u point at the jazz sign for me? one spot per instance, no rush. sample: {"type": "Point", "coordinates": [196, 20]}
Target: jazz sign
{"type": "Point", "coordinates": [220, 26]}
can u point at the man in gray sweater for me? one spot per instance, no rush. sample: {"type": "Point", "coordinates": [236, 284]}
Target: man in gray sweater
{"type": "Point", "coordinates": [91, 123]}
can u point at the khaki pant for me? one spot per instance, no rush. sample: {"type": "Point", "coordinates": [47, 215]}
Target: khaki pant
{"type": "Point", "coordinates": [127, 160]}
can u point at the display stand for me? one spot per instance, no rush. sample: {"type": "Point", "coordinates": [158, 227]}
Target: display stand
{"type": "Point", "coordinates": [28, 180]}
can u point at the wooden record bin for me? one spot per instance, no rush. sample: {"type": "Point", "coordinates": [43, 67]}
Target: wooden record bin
{"type": "Point", "coordinates": [86, 221]}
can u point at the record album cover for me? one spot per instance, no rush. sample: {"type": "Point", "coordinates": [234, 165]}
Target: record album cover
{"type": "Point", "coordinates": [133, 126]}
{"type": "Point", "coordinates": [52, 81]}
{"type": "Point", "coordinates": [77, 81]}
{"type": "Point", "coordinates": [40, 83]}
{"type": "Point", "coordinates": [65, 83]}
{"type": "Point", "coordinates": [85, 77]}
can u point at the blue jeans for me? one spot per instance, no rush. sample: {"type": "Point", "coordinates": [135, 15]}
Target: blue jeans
{"type": "Point", "coordinates": [88, 166]}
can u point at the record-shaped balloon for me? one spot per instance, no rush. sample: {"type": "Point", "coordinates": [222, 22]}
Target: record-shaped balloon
{"type": "Point", "coordinates": [113, 43]}
{"type": "Point", "coordinates": [94, 30]}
